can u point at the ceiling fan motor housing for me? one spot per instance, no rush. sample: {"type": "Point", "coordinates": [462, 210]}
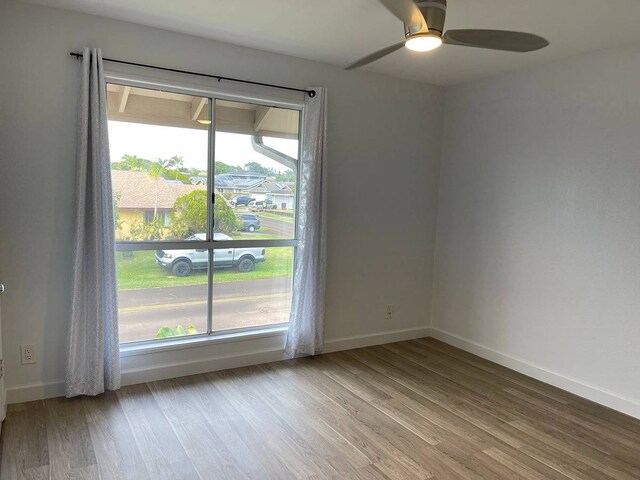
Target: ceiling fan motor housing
{"type": "Point", "coordinates": [434, 13]}
{"type": "Point", "coordinates": [424, 31]}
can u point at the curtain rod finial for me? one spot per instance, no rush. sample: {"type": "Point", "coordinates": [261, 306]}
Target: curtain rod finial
{"type": "Point", "coordinates": [312, 93]}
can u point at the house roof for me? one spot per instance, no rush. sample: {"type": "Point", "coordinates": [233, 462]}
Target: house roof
{"type": "Point", "coordinates": [269, 186]}
{"type": "Point", "coordinates": [137, 190]}
{"type": "Point", "coordinates": [251, 183]}
{"type": "Point", "coordinates": [198, 179]}
{"type": "Point", "coordinates": [241, 180]}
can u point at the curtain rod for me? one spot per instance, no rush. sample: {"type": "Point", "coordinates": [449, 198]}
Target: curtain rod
{"type": "Point", "coordinates": [311, 93]}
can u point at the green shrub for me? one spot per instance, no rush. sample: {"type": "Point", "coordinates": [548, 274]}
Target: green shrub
{"type": "Point", "coordinates": [168, 332]}
{"type": "Point", "coordinates": [154, 230]}
{"type": "Point", "coordinates": [189, 215]}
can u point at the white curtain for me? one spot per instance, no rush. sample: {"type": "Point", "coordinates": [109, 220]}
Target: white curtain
{"type": "Point", "coordinates": [93, 362]}
{"type": "Point", "coordinates": [306, 324]}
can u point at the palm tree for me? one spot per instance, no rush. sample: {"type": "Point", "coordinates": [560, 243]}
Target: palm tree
{"type": "Point", "coordinates": [176, 163]}
{"type": "Point", "coordinates": [133, 162]}
{"type": "Point", "coordinates": [156, 172]}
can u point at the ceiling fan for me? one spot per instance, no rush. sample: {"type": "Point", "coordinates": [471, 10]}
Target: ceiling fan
{"type": "Point", "coordinates": [424, 31]}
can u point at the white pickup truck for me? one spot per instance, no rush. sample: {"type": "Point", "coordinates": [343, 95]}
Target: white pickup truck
{"type": "Point", "coordinates": [181, 262]}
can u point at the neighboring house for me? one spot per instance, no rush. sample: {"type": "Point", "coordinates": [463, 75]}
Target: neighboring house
{"type": "Point", "coordinates": [258, 186]}
{"type": "Point", "coordinates": [281, 194]}
{"type": "Point", "coordinates": [238, 182]}
{"type": "Point", "coordinates": [198, 180]}
{"type": "Point", "coordinates": [139, 196]}
{"type": "Point", "coordinates": [283, 201]}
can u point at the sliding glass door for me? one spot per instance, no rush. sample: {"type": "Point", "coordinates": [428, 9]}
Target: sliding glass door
{"type": "Point", "coordinates": [205, 196]}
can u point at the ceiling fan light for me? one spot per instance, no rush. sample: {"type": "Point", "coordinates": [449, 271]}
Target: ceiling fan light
{"type": "Point", "coordinates": [423, 42]}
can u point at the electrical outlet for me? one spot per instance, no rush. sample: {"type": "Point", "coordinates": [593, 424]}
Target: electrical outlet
{"type": "Point", "coordinates": [27, 354]}
{"type": "Point", "coordinates": [389, 314]}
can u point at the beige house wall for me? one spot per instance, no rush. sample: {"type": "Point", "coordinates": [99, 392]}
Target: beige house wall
{"type": "Point", "coordinates": [126, 218]}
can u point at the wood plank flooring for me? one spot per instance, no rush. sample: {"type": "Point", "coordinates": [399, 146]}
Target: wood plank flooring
{"type": "Point", "coordinates": [416, 410]}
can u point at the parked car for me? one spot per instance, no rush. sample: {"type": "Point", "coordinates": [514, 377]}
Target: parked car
{"type": "Point", "coordinates": [182, 262]}
{"type": "Point", "coordinates": [250, 222]}
{"type": "Point", "coordinates": [241, 201]}
{"type": "Point", "coordinates": [258, 205]}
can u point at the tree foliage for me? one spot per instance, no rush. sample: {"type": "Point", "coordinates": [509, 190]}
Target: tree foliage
{"type": "Point", "coordinates": [116, 211]}
{"type": "Point", "coordinates": [171, 168]}
{"type": "Point", "coordinates": [166, 332]}
{"type": "Point", "coordinates": [258, 168]}
{"type": "Point", "coordinates": [190, 215]}
{"type": "Point", "coordinates": [195, 172]}
{"type": "Point", "coordinates": [153, 230]}
{"type": "Point", "coordinates": [287, 176]}
{"type": "Point", "coordinates": [176, 163]}
{"type": "Point", "coordinates": [225, 219]}
{"type": "Point", "coordinates": [132, 162]}
{"type": "Point", "coordinates": [222, 167]}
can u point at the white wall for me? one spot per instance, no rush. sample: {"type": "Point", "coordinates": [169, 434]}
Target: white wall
{"type": "Point", "coordinates": [538, 233]}
{"type": "Point", "coordinates": [537, 256]}
{"type": "Point", "coordinates": [384, 148]}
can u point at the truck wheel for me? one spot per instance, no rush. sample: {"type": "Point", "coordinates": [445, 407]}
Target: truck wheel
{"type": "Point", "coordinates": [246, 264]}
{"type": "Point", "coordinates": [252, 228]}
{"type": "Point", "coordinates": [181, 268]}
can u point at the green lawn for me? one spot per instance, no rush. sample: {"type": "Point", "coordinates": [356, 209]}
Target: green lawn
{"type": "Point", "coordinates": [140, 270]}
{"type": "Point", "coordinates": [275, 216]}
{"type": "Point", "coordinates": [254, 236]}
{"type": "Point", "coordinates": [267, 214]}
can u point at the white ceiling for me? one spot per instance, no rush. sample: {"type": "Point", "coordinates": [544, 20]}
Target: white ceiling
{"type": "Point", "coordinates": [341, 31]}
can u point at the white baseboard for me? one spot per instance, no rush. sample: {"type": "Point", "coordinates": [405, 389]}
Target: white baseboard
{"type": "Point", "coordinates": [584, 390]}
{"type": "Point", "coordinates": [193, 367]}
{"type": "Point", "coordinates": [359, 341]}
{"type": "Point", "coordinates": [39, 391]}
{"type": "Point", "coordinates": [27, 392]}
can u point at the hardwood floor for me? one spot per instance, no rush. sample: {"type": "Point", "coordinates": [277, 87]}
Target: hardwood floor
{"type": "Point", "coordinates": [417, 410]}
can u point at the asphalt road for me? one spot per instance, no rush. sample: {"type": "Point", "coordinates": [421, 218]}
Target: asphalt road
{"type": "Point", "coordinates": [277, 227]}
{"type": "Point", "coordinates": [271, 226]}
{"type": "Point", "coordinates": [236, 305]}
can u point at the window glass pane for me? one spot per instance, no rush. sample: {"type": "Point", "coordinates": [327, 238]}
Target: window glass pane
{"type": "Point", "coordinates": [162, 293]}
{"type": "Point", "coordinates": [160, 156]}
{"type": "Point", "coordinates": [256, 156]}
{"type": "Point", "coordinates": [252, 287]}
{"type": "Point", "coordinates": [159, 149]}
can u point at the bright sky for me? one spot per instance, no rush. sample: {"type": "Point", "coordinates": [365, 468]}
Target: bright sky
{"type": "Point", "coordinates": [153, 142]}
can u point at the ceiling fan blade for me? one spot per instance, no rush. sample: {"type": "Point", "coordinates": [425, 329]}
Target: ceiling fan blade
{"type": "Point", "coordinates": [496, 40]}
{"type": "Point", "coordinates": [375, 56]}
{"type": "Point", "coordinates": [408, 13]}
